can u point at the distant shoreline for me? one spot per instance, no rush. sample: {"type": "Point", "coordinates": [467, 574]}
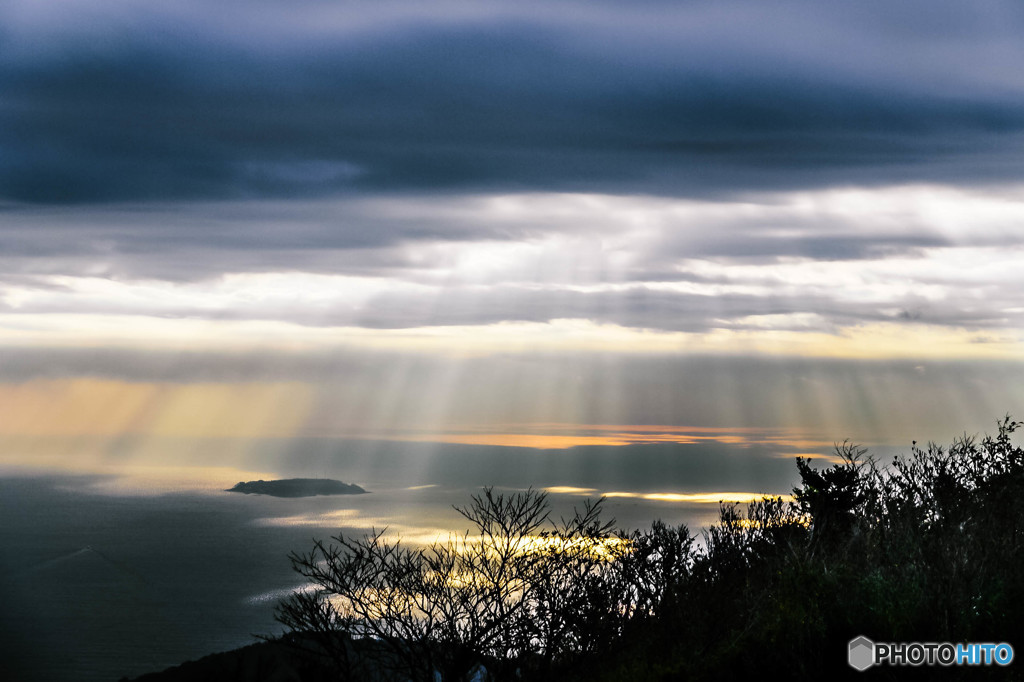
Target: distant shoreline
{"type": "Point", "coordinates": [296, 487]}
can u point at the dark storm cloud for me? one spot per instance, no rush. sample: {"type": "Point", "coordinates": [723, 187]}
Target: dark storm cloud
{"type": "Point", "coordinates": [269, 99]}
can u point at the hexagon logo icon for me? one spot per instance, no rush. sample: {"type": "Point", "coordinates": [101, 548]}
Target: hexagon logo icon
{"type": "Point", "coordinates": [862, 653]}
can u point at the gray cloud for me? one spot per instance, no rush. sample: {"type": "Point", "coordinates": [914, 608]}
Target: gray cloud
{"type": "Point", "coordinates": [414, 261]}
{"type": "Point", "coordinates": [267, 99]}
{"type": "Point", "coordinates": [202, 240]}
{"type": "Point", "coordinates": [637, 307]}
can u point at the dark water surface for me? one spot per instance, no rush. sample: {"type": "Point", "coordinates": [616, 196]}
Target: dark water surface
{"type": "Point", "coordinates": [98, 586]}
{"type": "Point", "coordinates": [101, 581]}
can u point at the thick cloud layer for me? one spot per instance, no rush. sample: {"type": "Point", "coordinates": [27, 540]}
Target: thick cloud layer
{"type": "Point", "coordinates": [121, 100]}
{"type": "Point", "coordinates": [818, 261]}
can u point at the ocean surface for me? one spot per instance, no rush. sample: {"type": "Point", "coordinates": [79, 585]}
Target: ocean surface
{"type": "Point", "coordinates": [104, 576]}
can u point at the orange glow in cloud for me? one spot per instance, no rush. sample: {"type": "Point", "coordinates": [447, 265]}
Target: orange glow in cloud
{"type": "Point", "coordinates": [563, 436]}
{"type": "Point", "coordinates": [97, 407]}
{"type": "Point", "coordinates": [515, 440]}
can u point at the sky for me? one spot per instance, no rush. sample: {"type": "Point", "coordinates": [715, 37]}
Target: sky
{"type": "Point", "coordinates": [276, 227]}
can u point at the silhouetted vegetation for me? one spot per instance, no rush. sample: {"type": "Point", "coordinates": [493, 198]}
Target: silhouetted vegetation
{"type": "Point", "coordinates": [928, 548]}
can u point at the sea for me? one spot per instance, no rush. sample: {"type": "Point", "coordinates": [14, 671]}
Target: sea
{"type": "Point", "coordinates": [109, 575]}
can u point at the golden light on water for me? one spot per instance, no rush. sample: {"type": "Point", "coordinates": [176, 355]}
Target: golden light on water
{"type": "Point", "coordinates": [699, 498]}
{"type": "Point", "coordinates": [695, 498]}
{"type": "Point", "coordinates": [604, 549]}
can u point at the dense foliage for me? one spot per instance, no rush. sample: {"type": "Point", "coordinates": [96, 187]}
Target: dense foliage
{"type": "Point", "coordinates": [929, 548]}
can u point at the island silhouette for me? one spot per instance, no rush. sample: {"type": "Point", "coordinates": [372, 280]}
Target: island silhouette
{"type": "Point", "coordinates": [296, 487]}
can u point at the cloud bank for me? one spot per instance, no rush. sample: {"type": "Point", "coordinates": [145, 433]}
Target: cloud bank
{"type": "Point", "coordinates": [122, 101]}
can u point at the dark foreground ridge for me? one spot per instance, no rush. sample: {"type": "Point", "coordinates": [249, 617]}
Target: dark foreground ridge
{"type": "Point", "coordinates": [265, 661]}
{"type": "Point", "coordinates": [297, 487]}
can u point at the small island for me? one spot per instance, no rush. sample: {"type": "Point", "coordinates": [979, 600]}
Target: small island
{"type": "Point", "coordinates": [297, 487]}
